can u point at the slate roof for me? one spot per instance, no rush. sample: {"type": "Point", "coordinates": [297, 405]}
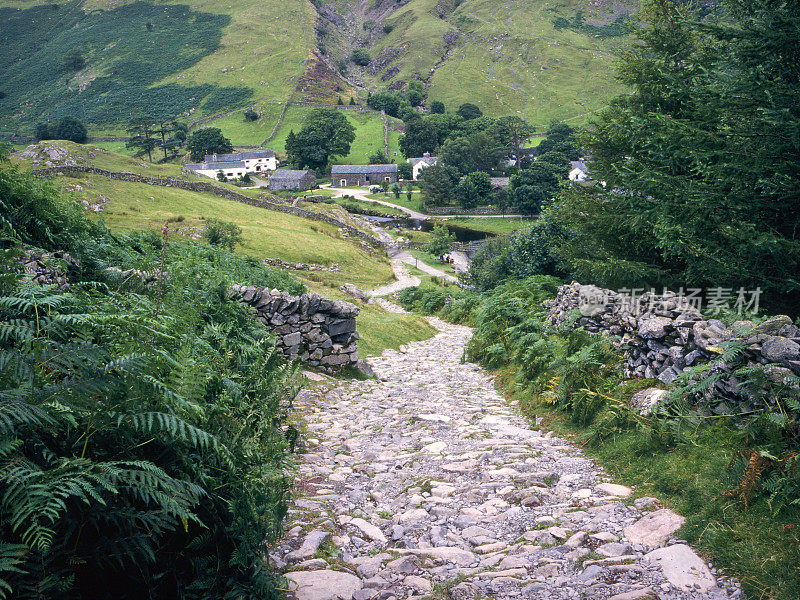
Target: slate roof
{"type": "Point", "coordinates": [236, 164]}
{"type": "Point", "coordinates": [288, 175]}
{"type": "Point", "coordinates": [500, 181]}
{"type": "Point", "coordinates": [239, 156]}
{"type": "Point", "coordinates": [578, 164]}
{"type": "Point", "coordinates": [357, 169]}
{"type": "Point", "coordinates": [428, 160]}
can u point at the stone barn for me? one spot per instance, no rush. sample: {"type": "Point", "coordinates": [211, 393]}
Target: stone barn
{"type": "Point", "coordinates": [358, 175]}
{"type": "Point", "coordinates": [292, 180]}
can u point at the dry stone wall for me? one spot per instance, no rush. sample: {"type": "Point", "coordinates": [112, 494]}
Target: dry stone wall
{"type": "Point", "coordinates": [47, 268]}
{"type": "Point", "coordinates": [203, 186]}
{"type": "Point", "coordinates": [317, 330]}
{"type": "Point", "coordinates": [664, 335]}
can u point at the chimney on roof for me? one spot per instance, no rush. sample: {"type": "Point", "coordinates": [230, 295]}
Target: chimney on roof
{"type": "Point", "coordinates": [426, 154]}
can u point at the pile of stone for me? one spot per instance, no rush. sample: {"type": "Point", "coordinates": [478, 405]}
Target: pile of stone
{"type": "Point", "coordinates": [277, 262]}
{"type": "Point", "coordinates": [148, 278]}
{"type": "Point", "coordinates": [317, 330]}
{"type": "Point", "coordinates": [663, 335]}
{"type": "Point", "coordinates": [354, 291]}
{"type": "Point", "coordinates": [47, 268]}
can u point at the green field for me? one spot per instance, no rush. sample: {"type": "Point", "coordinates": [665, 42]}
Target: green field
{"type": "Point", "coordinates": [414, 204]}
{"type": "Point", "coordinates": [495, 225]}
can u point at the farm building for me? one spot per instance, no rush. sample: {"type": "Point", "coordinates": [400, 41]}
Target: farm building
{"type": "Point", "coordinates": [578, 171]}
{"type": "Point", "coordinates": [421, 163]}
{"type": "Point", "coordinates": [292, 180]}
{"type": "Point", "coordinates": [232, 169]}
{"type": "Point", "coordinates": [255, 161]}
{"type": "Point", "coordinates": [355, 175]}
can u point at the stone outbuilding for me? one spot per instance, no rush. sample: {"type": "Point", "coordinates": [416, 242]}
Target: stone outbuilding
{"type": "Point", "coordinates": [285, 179]}
{"type": "Point", "coordinates": [358, 175]}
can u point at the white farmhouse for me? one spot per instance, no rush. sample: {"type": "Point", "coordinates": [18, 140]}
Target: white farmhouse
{"type": "Point", "coordinates": [231, 169]}
{"type": "Point", "coordinates": [255, 161]}
{"type": "Point", "coordinates": [578, 171]}
{"type": "Point", "coordinates": [421, 163]}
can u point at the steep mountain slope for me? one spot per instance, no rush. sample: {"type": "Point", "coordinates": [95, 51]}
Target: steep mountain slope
{"type": "Point", "coordinates": [533, 57]}
{"type": "Point", "coordinates": [109, 61]}
{"type": "Point", "coordinates": [144, 59]}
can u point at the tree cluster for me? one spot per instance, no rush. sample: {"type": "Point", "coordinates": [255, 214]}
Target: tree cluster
{"type": "Point", "coordinates": [701, 161]}
{"type": "Point", "coordinates": [68, 128]}
{"type": "Point", "coordinates": [399, 104]}
{"type": "Point", "coordinates": [325, 133]}
{"type": "Point", "coordinates": [207, 141]}
{"type": "Point", "coordinates": [169, 135]}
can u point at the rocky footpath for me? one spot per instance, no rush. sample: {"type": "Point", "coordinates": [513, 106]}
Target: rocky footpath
{"type": "Point", "coordinates": [426, 483]}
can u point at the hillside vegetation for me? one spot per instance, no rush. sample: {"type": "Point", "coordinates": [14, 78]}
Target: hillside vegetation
{"type": "Point", "coordinates": [127, 206]}
{"type": "Point", "coordinates": [145, 59]}
{"type": "Point", "coordinates": [196, 59]}
{"type": "Point", "coordinates": [508, 58]}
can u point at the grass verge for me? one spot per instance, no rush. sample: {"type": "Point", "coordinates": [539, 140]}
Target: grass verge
{"type": "Point", "coordinates": [761, 549]}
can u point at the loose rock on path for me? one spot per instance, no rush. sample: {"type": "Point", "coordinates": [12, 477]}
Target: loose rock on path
{"type": "Point", "coordinates": [427, 483]}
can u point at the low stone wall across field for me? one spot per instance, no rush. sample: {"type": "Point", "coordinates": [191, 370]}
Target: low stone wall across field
{"type": "Point", "coordinates": [480, 210]}
{"type": "Point", "coordinates": [203, 186]}
{"type": "Point", "coordinates": [319, 331]}
{"type": "Point", "coordinates": [663, 335]}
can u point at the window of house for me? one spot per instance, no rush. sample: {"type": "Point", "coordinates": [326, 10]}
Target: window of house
{"type": "Point", "coordinates": [387, 179]}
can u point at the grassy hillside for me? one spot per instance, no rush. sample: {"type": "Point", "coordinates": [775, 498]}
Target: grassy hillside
{"type": "Point", "coordinates": [199, 59]}
{"type": "Point", "coordinates": [508, 58]}
{"type": "Point", "coordinates": [129, 206]}
{"type": "Point", "coordinates": [153, 59]}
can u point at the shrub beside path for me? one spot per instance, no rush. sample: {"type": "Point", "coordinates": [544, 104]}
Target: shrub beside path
{"type": "Point", "coordinates": [425, 482]}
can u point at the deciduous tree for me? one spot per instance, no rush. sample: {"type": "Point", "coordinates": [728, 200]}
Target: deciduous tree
{"type": "Point", "coordinates": [326, 133]}
{"type": "Point", "coordinates": [208, 141]}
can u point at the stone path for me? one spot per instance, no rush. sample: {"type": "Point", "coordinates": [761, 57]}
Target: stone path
{"type": "Point", "coordinates": [426, 483]}
{"type": "Point", "coordinates": [400, 258]}
{"type": "Point", "coordinates": [404, 279]}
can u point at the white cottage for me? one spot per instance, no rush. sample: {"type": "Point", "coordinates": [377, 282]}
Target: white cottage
{"type": "Point", "coordinates": [255, 161]}
{"type": "Point", "coordinates": [578, 171]}
{"type": "Point", "coordinates": [231, 169]}
{"type": "Point", "coordinates": [421, 163]}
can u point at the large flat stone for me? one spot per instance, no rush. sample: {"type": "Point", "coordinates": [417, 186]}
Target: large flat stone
{"type": "Point", "coordinates": [457, 556]}
{"type": "Point", "coordinates": [323, 585]}
{"type": "Point", "coordinates": [654, 529]}
{"type": "Point", "coordinates": [613, 489]}
{"type": "Point", "coordinates": [309, 546]}
{"type": "Point", "coordinates": [370, 530]}
{"type": "Point", "coordinates": [683, 568]}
